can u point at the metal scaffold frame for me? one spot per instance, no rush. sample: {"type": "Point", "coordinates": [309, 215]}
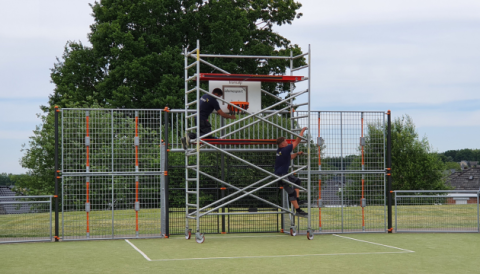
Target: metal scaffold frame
{"type": "Point", "coordinates": [193, 211]}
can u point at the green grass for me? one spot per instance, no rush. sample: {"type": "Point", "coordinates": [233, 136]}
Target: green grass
{"type": "Point", "coordinates": [266, 253]}
{"type": "Point", "coordinates": [409, 217]}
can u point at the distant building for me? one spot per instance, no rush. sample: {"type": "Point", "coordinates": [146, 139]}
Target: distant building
{"type": "Point", "coordinates": [467, 179]}
{"type": "Point", "coordinates": [468, 164]}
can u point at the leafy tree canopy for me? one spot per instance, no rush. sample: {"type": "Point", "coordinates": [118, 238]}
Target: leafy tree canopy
{"type": "Point", "coordinates": [465, 154]}
{"type": "Point", "coordinates": [5, 179]}
{"type": "Point", "coordinates": [135, 59]}
{"type": "Point", "coordinates": [414, 165]}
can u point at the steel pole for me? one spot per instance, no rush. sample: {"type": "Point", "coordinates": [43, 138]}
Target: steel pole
{"type": "Point", "coordinates": [167, 210]}
{"type": "Point", "coordinates": [57, 176]}
{"type": "Point", "coordinates": [389, 170]}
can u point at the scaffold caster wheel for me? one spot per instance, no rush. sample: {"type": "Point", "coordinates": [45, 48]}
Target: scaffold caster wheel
{"type": "Point", "coordinates": [200, 238]}
{"type": "Point", "coordinates": [188, 234]}
{"type": "Point", "coordinates": [310, 235]}
{"type": "Point", "coordinates": [293, 231]}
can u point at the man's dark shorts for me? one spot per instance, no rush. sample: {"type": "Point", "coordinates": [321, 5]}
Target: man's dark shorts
{"type": "Point", "coordinates": [205, 128]}
{"type": "Point", "coordinates": [290, 189]}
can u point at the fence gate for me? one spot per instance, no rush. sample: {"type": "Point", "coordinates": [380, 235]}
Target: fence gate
{"type": "Point", "coordinates": [348, 171]}
{"type": "Point", "coordinates": [112, 174]}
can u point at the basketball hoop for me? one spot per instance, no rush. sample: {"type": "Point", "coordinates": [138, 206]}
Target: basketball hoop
{"type": "Point", "coordinates": [243, 105]}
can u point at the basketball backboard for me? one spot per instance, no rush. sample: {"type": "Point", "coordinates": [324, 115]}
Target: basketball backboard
{"type": "Point", "coordinates": [239, 91]}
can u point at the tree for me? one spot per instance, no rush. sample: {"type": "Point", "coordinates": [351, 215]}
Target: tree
{"type": "Point", "coordinates": [414, 165]}
{"type": "Point", "coordinates": [465, 154]}
{"type": "Point", "coordinates": [453, 165]}
{"type": "Point", "coordinates": [5, 179]}
{"type": "Point", "coordinates": [135, 60]}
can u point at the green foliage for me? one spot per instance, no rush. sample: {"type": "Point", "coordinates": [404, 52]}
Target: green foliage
{"type": "Point", "coordinates": [453, 165]}
{"type": "Point", "coordinates": [465, 154]}
{"type": "Point", "coordinates": [5, 179]}
{"type": "Point", "coordinates": [135, 59]}
{"type": "Point", "coordinates": [39, 157]}
{"type": "Point", "coordinates": [414, 164]}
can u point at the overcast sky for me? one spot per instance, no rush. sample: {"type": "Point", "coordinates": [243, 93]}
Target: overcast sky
{"type": "Point", "coordinates": [415, 57]}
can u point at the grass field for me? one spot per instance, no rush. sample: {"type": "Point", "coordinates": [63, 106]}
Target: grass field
{"type": "Point", "coordinates": [425, 217]}
{"type": "Point", "coordinates": [251, 253]}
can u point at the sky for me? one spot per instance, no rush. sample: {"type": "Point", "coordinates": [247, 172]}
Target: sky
{"type": "Point", "coordinates": [414, 57]}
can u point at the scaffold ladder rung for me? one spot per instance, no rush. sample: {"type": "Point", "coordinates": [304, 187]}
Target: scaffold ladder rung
{"type": "Point", "coordinates": [192, 179]}
{"type": "Point", "coordinates": [192, 192]}
{"type": "Point", "coordinates": [191, 205]}
{"type": "Point", "coordinates": [192, 103]}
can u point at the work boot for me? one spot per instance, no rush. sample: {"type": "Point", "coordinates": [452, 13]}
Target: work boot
{"type": "Point", "coordinates": [185, 142]}
{"type": "Point", "coordinates": [300, 212]}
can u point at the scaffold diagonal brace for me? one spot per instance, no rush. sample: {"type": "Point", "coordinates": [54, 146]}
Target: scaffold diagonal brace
{"type": "Point", "coordinates": [250, 192]}
{"type": "Point", "coordinates": [242, 190]}
{"type": "Point", "coordinates": [252, 165]}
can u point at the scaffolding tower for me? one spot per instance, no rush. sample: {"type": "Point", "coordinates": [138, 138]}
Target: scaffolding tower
{"type": "Point", "coordinates": [193, 172]}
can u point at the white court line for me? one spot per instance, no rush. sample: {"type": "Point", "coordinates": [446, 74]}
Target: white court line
{"type": "Point", "coordinates": [139, 251]}
{"type": "Point", "coordinates": [405, 250]}
{"type": "Point", "coordinates": [276, 256]}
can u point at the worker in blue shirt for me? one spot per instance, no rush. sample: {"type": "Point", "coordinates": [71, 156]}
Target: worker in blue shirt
{"type": "Point", "coordinates": [208, 103]}
{"type": "Point", "coordinates": [282, 164]}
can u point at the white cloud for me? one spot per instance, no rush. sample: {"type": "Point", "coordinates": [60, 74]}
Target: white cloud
{"type": "Point", "coordinates": [20, 111]}
{"type": "Point", "coordinates": [352, 12]}
{"type": "Point", "coordinates": [16, 134]}
{"type": "Point", "coordinates": [441, 118]}
{"type": "Point", "coordinates": [47, 19]}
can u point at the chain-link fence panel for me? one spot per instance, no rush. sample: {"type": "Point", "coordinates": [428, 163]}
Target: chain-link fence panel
{"type": "Point", "coordinates": [25, 218]}
{"type": "Point", "coordinates": [437, 211]}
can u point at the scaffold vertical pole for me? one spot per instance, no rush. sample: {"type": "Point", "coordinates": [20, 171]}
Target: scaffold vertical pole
{"type": "Point", "coordinates": [292, 123]}
{"type": "Point", "coordinates": [223, 189]}
{"type": "Point", "coordinates": [198, 236]}
{"type": "Point", "coordinates": [309, 137]}
{"type": "Point", "coordinates": [187, 229]}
